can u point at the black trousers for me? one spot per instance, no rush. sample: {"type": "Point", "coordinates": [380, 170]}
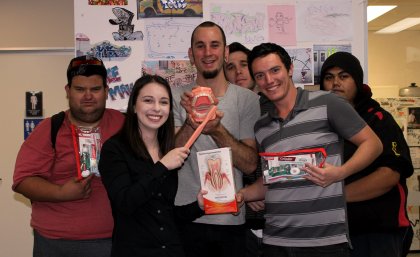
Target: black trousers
{"type": "Point", "coordinates": [207, 240]}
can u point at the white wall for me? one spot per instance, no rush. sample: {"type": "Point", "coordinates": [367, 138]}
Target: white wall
{"type": "Point", "coordinates": [394, 62]}
{"type": "Point", "coordinates": [27, 24]}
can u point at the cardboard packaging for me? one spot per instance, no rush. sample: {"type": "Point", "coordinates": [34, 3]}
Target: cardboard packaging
{"type": "Point", "coordinates": [216, 177]}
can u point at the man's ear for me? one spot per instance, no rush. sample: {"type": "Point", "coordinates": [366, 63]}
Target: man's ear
{"type": "Point", "coordinates": [191, 56]}
{"type": "Point", "coordinates": [67, 88]}
{"type": "Point", "coordinates": [106, 91]}
{"type": "Point", "coordinates": [226, 54]}
{"type": "Point", "coordinates": [291, 70]}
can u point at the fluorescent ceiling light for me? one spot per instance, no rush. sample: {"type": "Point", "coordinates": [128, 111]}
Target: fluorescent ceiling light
{"type": "Point", "coordinates": [399, 26]}
{"type": "Point", "coordinates": [374, 11]}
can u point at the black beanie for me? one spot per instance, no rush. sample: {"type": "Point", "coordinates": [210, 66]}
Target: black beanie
{"type": "Point", "coordinates": [349, 63]}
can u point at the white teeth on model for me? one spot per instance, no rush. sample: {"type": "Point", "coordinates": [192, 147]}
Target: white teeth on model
{"type": "Point", "coordinates": [202, 95]}
{"type": "Point", "coordinates": [200, 115]}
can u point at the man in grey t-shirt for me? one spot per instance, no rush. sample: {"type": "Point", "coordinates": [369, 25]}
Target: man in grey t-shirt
{"type": "Point", "coordinates": [238, 110]}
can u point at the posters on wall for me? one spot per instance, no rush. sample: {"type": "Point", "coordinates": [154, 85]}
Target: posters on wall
{"type": "Point", "coordinates": [131, 35]}
{"type": "Point", "coordinates": [125, 34]}
{"type": "Point", "coordinates": [324, 20]}
{"type": "Point", "coordinates": [405, 111]}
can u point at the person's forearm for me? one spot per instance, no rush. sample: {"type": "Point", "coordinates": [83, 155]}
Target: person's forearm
{"type": "Point", "coordinates": [39, 189]}
{"type": "Point", "coordinates": [183, 134]}
{"type": "Point", "coordinates": [254, 192]}
{"type": "Point", "coordinates": [368, 150]}
{"type": "Point", "coordinates": [374, 185]}
{"type": "Point", "coordinates": [244, 157]}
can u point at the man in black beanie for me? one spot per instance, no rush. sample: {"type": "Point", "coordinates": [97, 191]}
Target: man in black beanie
{"type": "Point", "coordinates": [377, 195]}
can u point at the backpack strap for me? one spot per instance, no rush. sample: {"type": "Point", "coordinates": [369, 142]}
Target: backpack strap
{"type": "Point", "coordinates": [56, 121]}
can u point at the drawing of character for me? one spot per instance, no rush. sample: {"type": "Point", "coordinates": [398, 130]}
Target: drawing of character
{"type": "Point", "coordinates": [126, 29]}
{"type": "Point", "coordinates": [280, 21]}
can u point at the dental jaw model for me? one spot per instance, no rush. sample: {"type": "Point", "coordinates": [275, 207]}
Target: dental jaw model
{"type": "Point", "coordinates": [202, 102]}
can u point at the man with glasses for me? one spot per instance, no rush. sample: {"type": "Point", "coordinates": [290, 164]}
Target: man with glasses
{"type": "Point", "coordinates": [71, 215]}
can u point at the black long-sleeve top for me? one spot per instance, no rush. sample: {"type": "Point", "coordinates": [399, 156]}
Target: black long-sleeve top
{"type": "Point", "coordinates": [142, 197]}
{"type": "Point", "coordinates": [387, 212]}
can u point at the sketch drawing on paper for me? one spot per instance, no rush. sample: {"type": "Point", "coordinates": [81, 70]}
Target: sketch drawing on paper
{"type": "Point", "coordinates": [324, 20]}
{"type": "Point", "coordinates": [302, 65]}
{"type": "Point", "coordinates": [125, 28]}
{"type": "Point", "coordinates": [245, 26]}
{"type": "Point", "coordinates": [168, 38]}
{"type": "Point", "coordinates": [279, 22]}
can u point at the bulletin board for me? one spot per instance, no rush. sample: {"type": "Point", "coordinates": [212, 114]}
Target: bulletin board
{"type": "Point", "coordinates": [406, 112]}
{"type": "Point", "coordinates": [153, 36]}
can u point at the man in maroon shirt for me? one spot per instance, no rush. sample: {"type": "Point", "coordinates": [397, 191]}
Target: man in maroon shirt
{"type": "Point", "coordinates": [71, 215]}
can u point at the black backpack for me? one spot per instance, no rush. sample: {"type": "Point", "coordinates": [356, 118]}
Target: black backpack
{"type": "Point", "coordinates": [56, 121]}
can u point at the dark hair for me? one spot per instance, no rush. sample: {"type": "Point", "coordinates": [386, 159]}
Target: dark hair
{"type": "Point", "coordinates": [238, 47]}
{"type": "Point", "coordinates": [131, 132]}
{"type": "Point", "coordinates": [208, 24]}
{"type": "Point", "coordinates": [86, 65]}
{"type": "Point", "coordinates": [265, 49]}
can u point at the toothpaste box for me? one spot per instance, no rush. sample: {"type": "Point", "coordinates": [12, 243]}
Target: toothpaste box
{"type": "Point", "coordinates": [216, 177]}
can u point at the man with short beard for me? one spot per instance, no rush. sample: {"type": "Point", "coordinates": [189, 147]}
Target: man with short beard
{"type": "Point", "coordinates": [71, 215]}
{"type": "Point", "coordinates": [238, 109]}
